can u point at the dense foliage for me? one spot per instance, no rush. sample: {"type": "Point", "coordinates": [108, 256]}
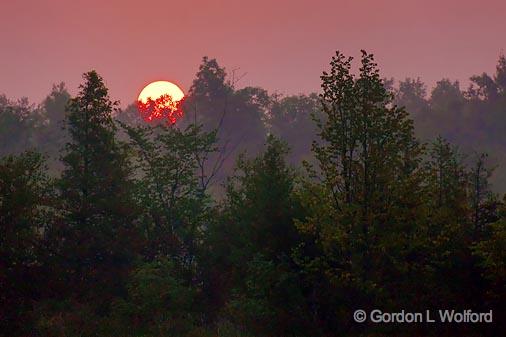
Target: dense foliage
{"type": "Point", "coordinates": [257, 215]}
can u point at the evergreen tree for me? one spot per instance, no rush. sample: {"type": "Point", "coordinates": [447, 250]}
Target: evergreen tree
{"type": "Point", "coordinates": [249, 267]}
{"type": "Point", "coordinates": [95, 192]}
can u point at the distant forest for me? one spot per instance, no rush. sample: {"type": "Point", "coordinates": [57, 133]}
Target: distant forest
{"type": "Point", "coordinates": [472, 119]}
{"type": "Point", "coordinates": [257, 214]}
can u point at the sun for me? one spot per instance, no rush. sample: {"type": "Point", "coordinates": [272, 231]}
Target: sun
{"type": "Point", "coordinates": [161, 100]}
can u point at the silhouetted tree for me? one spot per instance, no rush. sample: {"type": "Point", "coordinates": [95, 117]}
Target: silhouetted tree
{"type": "Point", "coordinates": [96, 195]}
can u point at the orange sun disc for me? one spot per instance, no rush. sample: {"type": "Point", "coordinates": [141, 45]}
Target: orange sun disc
{"type": "Point", "coordinates": [160, 100]}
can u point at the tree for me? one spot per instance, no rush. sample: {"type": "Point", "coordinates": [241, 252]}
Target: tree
{"type": "Point", "coordinates": [491, 252]}
{"type": "Point", "coordinates": [16, 126]}
{"type": "Point", "coordinates": [447, 221]}
{"type": "Point", "coordinates": [446, 177]}
{"type": "Point", "coordinates": [259, 196]}
{"type": "Point", "coordinates": [500, 75]}
{"type": "Point", "coordinates": [480, 194]}
{"type": "Point", "coordinates": [95, 192]}
{"type": "Point", "coordinates": [209, 96]}
{"type": "Point", "coordinates": [412, 95]}
{"type": "Point", "coordinates": [237, 115]}
{"type": "Point", "coordinates": [289, 118]}
{"type": "Point", "coordinates": [172, 188]}
{"type": "Point", "coordinates": [171, 192]}
{"type": "Point", "coordinates": [249, 269]}
{"type": "Point", "coordinates": [482, 87]}
{"type": "Point", "coordinates": [158, 302]}
{"type": "Point", "coordinates": [447, 104]}
{"type": "Point", "coordinates": [25, 199]}
{"type": "Point", "coordinates": [362, 223]}
{"type": "Point", "coordinates": [50, 136]}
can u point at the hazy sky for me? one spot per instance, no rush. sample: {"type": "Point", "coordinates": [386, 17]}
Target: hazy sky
{"type": "Point", "coordinates": [280, 45]}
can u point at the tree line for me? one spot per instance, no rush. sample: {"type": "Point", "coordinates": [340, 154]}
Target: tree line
{"type": "Point", "coordinates": [211, 228]}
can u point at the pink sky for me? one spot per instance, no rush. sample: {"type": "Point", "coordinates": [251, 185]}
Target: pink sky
{"type": "Point", "coordinates": [281, 45]}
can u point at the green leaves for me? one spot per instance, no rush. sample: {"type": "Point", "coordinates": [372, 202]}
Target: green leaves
{"type": "Point", "coordinates": [24, 192]}
{"type": "Point", "coordinates": [157, 301]}
{"type": "Point", "coordinates": [173, 175]}
{"type": "Point", "coordinates": [25, 199]}
{"type": "Point", "coordinates": [367, 143]}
